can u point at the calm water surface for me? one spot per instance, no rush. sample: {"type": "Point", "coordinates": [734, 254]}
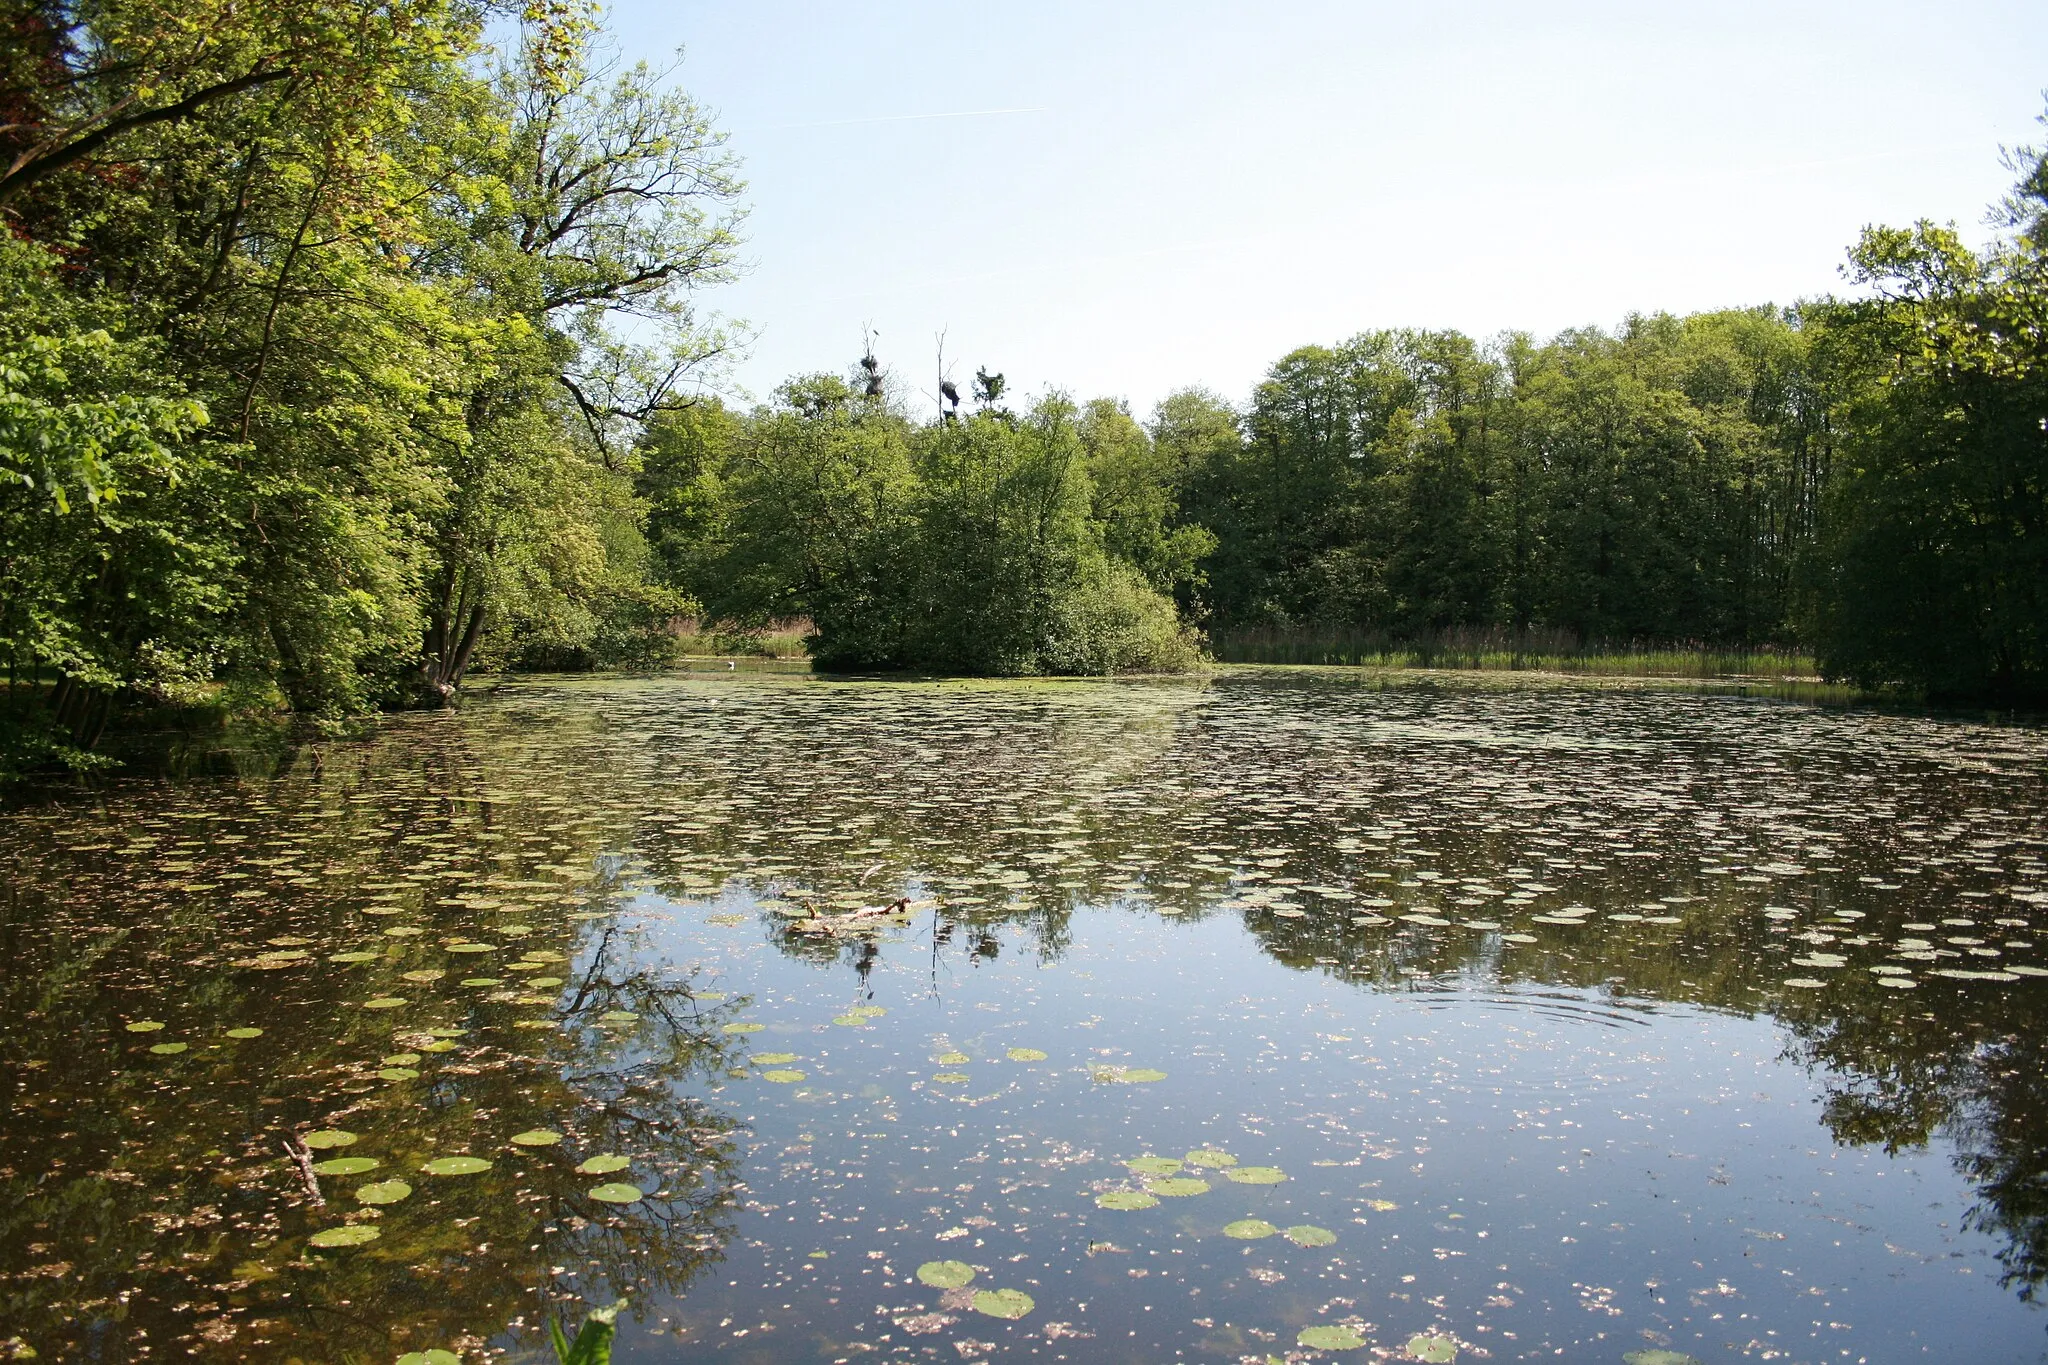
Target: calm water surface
{"type": "Point", "coordinates": [1277, 1016]}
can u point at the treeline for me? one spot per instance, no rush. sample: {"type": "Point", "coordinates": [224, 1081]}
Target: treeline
{"type": "Point", "coordinates": [1864, 479]}
{"type": "Point", "coordinates": [346, 351]}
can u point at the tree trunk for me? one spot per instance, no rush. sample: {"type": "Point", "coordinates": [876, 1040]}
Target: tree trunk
{"type": "Point", "coordinates": [446, 655]}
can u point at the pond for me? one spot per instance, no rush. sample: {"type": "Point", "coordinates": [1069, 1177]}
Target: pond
{"type": "Point", "coordinates": [1269, 1016]}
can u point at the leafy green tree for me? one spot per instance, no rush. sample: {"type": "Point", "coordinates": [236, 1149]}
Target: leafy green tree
{"type": "Point", "coordinates": [101, 579]}
{"type": "Point", "coordinates": [1137, 489]}
{"type": "Point", "coordinates": [607, 200]}
{"type": "Point", "coordinates": [1935, 571]}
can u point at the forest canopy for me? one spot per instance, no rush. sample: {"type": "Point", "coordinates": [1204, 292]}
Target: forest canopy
{"type": "Point", "coordinates": [352, 348]}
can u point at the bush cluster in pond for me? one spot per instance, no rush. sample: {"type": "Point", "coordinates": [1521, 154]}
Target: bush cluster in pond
{"type": "Point", "coordinates": [976, 544]}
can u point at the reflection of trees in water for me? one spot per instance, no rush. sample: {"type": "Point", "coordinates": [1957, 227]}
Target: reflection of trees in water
{"type": "Point", "coordinates": [842, 796]}
{"type": "Point", "coordinates": [190, 1221]}
{"type": "Point", "coordinates": [1973, 1069]}
{"type": "Point", "coordinates": [146, 1201]}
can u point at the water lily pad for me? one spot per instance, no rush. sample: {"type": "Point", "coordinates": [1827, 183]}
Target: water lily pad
{"type": "Point", "coordinates": [1309, 1235]}
{"type": "Point", "coordinates": [1338, 1338]}
{"type": "Point", "coordinates": [1003, 1303]}
{"type": "Point", "coordinates": [168, 1049]}
{"type": "Point", "coordinates": [245, 1032]}
{"type": "Point", "coordinates": [469, 947]}
{"type": "Point", "coordinates": [1153, 1165]}
{"type": "Point", "coordinates": [383, 1191]}
{"type": "Point", "coordinates": [145, 1026]}
{"type": "Point", "coordinates": [398, 1073]}
{"type": "Point", "coordinates": [1659, 1356]}
{"type": "Point", "coordinates": [1177, 1187]}
{"type": "Point", "coordinates": [1138, 1075]}
{"type": "Point", "coordinates": [1256, 1175]}
{"type": "Point", "coordinates": [953, 1077]}
{"type": "Point", "coordinates": [1249, 1229]}
{"type": "Point", "coordinates": [604, 1164]}
{"type": "Point", "coordinates": [1025, 1054]}
{"type": "Point", "coordinates": [348, 1235]}
{"type": "Point", "coordinates": [1126, 1200]}
{"type": "Point", "coordinates": [849, 1020]}
{"type": "Point", "coordinates": [401, 1059]}
{"type": "Point", "coordinates": [773, 1058]}
{"type": "Point", "coordinates": [952, 1059]}
{"type": "Point", "coordinates": [346, 1165]}
{"type": "Point", "coordinates": [456, 1165]}
{"type": "Point", "coordinates": [322, 1139]}
{"type": "Point", "coordinates": [744, 1028]}
{"type": "Point", "coordinates": [1210, 1158]}
{"type": "Point", "coordinates": [782, 1076]}
{"type": "Point", "coordinates": [1428, 1346]}
{"type": "Point", "coordinates": [385, 1002]}
{"type": "Point", "coordinates": [946, 1274]}
{"type": "Point", "coordinates": [437, 1356]}
{"type": "Point", "coordinates": [357, 956]}
{"type": "Point", "coordinates": [614, 1016]}
{"type": "Point", "coordinates": [618, 1192]}
{"type": "Point", "coordinates": [482, 981]}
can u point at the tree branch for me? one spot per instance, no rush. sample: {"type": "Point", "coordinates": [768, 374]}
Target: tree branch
{"type": "Point", "coordinates": [32, 166]}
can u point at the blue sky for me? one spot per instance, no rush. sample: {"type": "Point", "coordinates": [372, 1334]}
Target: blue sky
{"type": "Point", "coordinates": [1192, 189]}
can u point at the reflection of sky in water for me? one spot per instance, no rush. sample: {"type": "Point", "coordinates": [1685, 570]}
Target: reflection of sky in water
{"type": "Point", "coordinates": [1551, 1004]}
{"type": "Point", "coordinates": [1525, 1170]}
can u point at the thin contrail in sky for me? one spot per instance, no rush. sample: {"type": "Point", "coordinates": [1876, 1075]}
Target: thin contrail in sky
{"type": "Point", "coordinates": [902, 118]}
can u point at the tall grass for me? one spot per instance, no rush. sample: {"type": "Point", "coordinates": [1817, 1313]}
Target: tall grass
{"type": "Point", "coordinates": [1496, 649]}
{"type": "Point", "coordinates": [723, 639]}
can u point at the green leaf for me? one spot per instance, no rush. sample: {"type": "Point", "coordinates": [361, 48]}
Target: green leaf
{"type": "Point", "coordinates": [1337, 1338]}
{"type": "Point", "coordinates": [1126, 1200]}
{"type": "Point", "coordinates": [324, 1138]}
{"type": "Point", "coordinates": [1004, 1303]}
{"type": "Point", "coordinates": [347, 1235]}
{"type": "Point", "coordinates": [593, 1344]}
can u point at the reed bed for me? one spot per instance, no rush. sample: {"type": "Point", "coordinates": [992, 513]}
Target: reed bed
{"type": "Point", "coordinates": [1509, 651]}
